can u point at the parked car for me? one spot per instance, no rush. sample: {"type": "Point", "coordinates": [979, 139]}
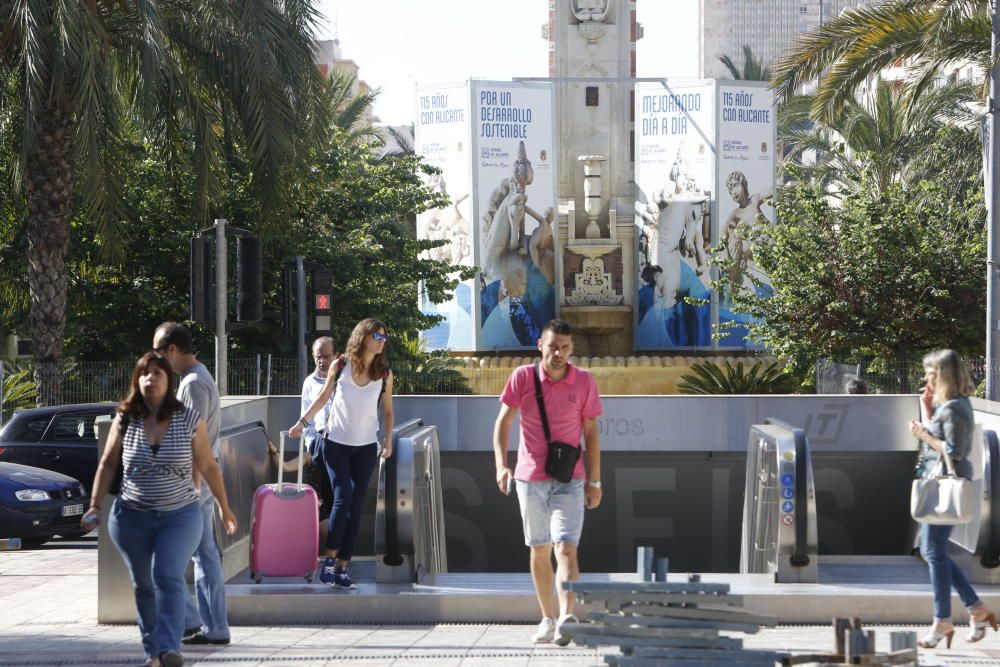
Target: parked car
{"type": "Point", "coordinates": [60, 438]}
{"type": "Point", "coordinates": [37, 504]}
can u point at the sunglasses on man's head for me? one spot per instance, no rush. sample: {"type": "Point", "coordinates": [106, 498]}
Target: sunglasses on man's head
{"type": "Point", "coordinates": [378, 336]}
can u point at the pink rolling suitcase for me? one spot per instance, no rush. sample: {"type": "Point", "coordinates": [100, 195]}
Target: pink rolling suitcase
{"type": "Point", "coordinates": [284, 527]}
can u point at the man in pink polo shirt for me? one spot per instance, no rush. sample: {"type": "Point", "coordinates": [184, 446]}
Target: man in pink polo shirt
{"type": "Point", "coordinates": [551, 511]}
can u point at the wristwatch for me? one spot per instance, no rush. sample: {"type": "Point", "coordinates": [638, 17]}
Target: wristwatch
{"type": "Point", "coordinates": [596, 483]}
{"type": "Point", "coordinates": [303, 421]}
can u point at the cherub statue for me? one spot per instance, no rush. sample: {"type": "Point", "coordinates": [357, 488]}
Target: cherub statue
{"type": "Point", "coordinates": [591, 11]}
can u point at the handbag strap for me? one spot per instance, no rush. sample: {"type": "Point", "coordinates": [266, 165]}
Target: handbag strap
{"type": "Point", "coordinates": [541, 403]}
{"type": "Point", "coordinates": [945, 458]}
{"type": "Point", "coordinates": [949, 464]}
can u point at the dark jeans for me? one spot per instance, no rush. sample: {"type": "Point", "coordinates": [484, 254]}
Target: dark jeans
{"type": "Point", "coordinates": [350, 469]}
{"type": "Point", "coordinates": [944, 572]}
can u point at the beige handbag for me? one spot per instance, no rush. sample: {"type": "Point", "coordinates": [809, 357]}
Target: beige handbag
{"type": "Point", "coordinates": [942, 499]}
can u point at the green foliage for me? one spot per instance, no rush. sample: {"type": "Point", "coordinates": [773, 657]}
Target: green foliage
{"type": "Point", "coordinates": [236, 75]}
{"type": "Point", "coordinates": [349, 212]}
{"type": "Point", "coordinates": [18, 386]}
{"type": "Point", "coordinates": [849, 49]}
{"type": "Point", "coordinates": [888, 274]}
{"type": "Point", "coordinates": [753, 68]}
{"type": "Point", "coordinates": [733, 378]}
{"type": "Point", "coordinates": [421, 371]}
{"type": "Point", "coordinates": [887, 137]}
{"type": "Point", "coordinates": [351, 215]}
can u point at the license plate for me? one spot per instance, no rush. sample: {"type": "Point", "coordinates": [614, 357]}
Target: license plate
{"type": "Point", "coordinates": [72, 510]}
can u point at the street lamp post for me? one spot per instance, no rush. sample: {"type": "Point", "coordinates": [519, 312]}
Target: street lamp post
{"type": "Point", "coordinates": [992, 220]}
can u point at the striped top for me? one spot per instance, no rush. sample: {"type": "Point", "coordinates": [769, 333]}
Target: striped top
{"type": "Point", "coordinates": [160, 481]}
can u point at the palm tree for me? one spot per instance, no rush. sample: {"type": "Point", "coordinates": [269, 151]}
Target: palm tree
{"type": "Point", "coordinates": [350, 106]}
{"type": "Point", "coordinates": [753, 69]}
{"type": "Point", "coordinates": [884, 134]}
{"type": "Point", "coordinates": [846, 51]}
{"type": "Point", "coordinates": [232, 74]}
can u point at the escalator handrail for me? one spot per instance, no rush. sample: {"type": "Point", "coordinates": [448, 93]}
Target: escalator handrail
{"type": "Point", "coordinates": [803, 460]}
{"type": "Point", "coordinates": [991, 558]}
{"type": "Point", "coordinates": [390, 471]}
{"type": "Point", "coordinates": [800, 557]}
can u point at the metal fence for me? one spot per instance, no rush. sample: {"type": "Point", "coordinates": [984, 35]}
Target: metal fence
{"type": "Point", "coordinates": [905, 377]}
{"type": "Point", "coordinates": [260, 375]}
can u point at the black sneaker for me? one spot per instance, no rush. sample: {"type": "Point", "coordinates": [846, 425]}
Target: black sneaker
{"type": "Point", "coordinates": [191, 632]}
{"type": "Point", "coordinates": [171, 659]}
{"type": "Point", "coordinates": [201, 639]}
{"type": "Point", "coordinates": [327, 573]}
{"type": "Point", "coordinates": [341, 579]}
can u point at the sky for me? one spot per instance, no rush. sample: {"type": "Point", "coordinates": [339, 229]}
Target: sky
{"type": "Point", "coordinates": [399, 43]}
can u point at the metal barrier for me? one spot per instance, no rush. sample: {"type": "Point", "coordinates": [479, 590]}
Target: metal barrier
{"type": "Point", "coordinates": [985, 560]}
{"type": "Point", "coordinates": [779, 509]}
{"type": "Point", "coordinates": [409, 511]}
{"type": "Point", "coordinates": [780, 535]}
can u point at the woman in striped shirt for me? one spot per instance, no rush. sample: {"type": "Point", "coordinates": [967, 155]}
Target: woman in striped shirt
{"type": "Point", "coordinates": [156, 522]}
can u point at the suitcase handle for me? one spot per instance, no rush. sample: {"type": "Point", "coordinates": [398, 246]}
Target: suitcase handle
{"type": "Point", "coordinates": [281, 462]}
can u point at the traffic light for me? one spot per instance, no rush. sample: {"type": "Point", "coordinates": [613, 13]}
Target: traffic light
{"type": "Point", "coordinates": [249, 280]}
{"type": "Point", "coordinates": [322, 300]}
{"type": "Point", "coordinates": [202, 295]}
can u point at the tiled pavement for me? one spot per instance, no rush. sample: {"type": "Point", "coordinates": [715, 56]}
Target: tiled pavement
{"type": "Point", "coordinates": [48, 609]}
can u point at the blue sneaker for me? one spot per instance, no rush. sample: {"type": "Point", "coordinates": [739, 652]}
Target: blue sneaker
{"type": "Point", "coordinates": [327, 574]}
{"type": "Point", "coordinates": [341, 579]}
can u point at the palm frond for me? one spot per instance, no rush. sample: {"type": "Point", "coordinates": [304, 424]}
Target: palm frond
{"type": "Point", "coordinates": [763, 377]}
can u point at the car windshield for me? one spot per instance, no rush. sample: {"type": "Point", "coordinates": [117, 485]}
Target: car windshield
{"type": "Point", "coordinates": [25, 428]}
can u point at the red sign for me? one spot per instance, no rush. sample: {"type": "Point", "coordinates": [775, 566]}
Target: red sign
{"type": "Point", "coordinates": [322, 302]}
{"type": "Point", "coordinates": [787, 519]}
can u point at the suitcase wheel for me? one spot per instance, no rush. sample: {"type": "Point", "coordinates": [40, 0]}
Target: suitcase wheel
{"type": "Point", "coordinates": [309, 578]}
{"type": "Point", "coordinates": [256, 577]}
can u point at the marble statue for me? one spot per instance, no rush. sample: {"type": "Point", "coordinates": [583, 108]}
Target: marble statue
{"type": "Point", "coordinates": [591, 11]}
{"type": "Point", "coordinates": [738, 246]}
{"type": "Point", "coordinates": [542, 247]}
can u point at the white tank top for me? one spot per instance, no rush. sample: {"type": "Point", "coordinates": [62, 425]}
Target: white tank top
{"type": "Point", "coordinates": [353, 418]}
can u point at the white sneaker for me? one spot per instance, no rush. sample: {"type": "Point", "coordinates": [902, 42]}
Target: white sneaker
{"type": "Point", "coordinates": [545, 632]}
{"type": "Point", "coordinates": [560, 639]}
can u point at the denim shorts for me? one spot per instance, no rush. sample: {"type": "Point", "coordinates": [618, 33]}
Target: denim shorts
{"type": "Point", "coordinates": [551, 511]}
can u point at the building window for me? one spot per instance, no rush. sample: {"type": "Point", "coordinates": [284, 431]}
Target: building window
{"type": "Point", "coordinates": [591, 96]}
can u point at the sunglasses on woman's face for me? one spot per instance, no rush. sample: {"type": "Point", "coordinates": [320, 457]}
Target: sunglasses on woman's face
{"type": "Point", "coordinates": [378, 336]}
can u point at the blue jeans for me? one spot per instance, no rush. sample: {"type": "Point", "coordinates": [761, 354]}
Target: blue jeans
{"type": "Point", "coordinates": [944, 572]}
{"type": "Point", "coordinates": [350, 469]}
{"type": "Point", "coordinates": [209, 582]}
{"type": "Point", "coordinates": [156, 546]}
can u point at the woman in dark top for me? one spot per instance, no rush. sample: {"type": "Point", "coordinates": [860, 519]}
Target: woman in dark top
{"type": "Point", "coordinates": [156, 521]}
{"type": "Point", "coordinates": [947, 425]}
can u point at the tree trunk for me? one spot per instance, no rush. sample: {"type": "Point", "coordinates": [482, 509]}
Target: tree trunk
{"type": "Point", "coordinates": [49, 176]}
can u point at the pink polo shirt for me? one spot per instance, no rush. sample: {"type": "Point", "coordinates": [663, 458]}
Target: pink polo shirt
{"type": "Point", "coordinates": [567, 403]}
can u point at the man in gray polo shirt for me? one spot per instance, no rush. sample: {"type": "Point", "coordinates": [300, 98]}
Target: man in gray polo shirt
{"type": "Point", "coordinates": [206, 622]}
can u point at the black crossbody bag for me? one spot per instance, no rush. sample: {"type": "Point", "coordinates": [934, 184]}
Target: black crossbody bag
{"type": "Point", "coordinates": [560, 461]}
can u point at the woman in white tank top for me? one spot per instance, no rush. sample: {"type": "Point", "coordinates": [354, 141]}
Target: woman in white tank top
{"type": "Point", "coordinates": [360, 382]}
